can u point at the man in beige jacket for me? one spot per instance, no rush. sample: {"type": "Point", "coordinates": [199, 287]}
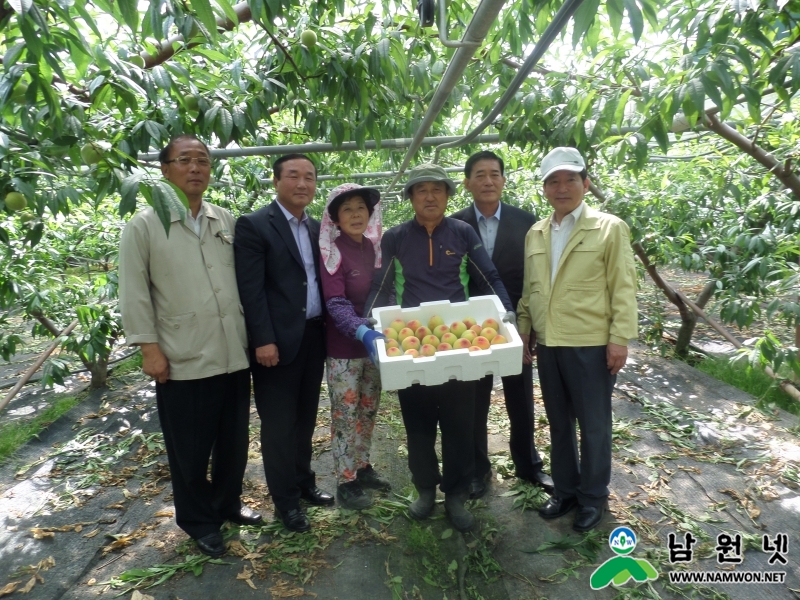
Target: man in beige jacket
{"type": "Point", "coordinates": [180, 303]}
{"type": "Point", "coordinates": [579, 298]}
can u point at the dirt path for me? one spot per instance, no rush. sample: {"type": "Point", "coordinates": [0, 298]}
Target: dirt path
{"type": "Point", "coordinates": [85, 510]}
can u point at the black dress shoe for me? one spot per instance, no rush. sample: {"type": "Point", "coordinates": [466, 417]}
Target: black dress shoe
{"type": "Point", "coordinates": [542, 479]}
{"type": "Point", "coordinates": [316, 496]}
{"type": "Point", "coordinates": [557, 507]}
{"type": "Point", "coordinates": [478, 486]}
{"type": "Point", "coordinates": [245, 516]}
{"type": "Point", "coordinates": [211, 544]}
{"type": "Point", "coordinates": [294, 519]}
{"type": "Point", "coordinates": [587, 518]}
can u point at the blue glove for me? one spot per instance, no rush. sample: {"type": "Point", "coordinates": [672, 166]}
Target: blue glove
{"type": "Point", "coordinates": [368, 337]}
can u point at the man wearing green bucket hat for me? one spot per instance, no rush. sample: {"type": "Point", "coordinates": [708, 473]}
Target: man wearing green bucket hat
{"type": "Point", "coordinates": [429, 258]}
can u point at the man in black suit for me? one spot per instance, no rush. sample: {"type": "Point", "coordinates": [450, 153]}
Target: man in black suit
{"type": "Point", "coordinates": [277, 268]}
{"type": "Point", "coordinates": [502, 229]}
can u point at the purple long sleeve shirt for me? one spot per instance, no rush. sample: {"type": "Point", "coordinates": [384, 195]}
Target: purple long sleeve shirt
{"type": "Point", "coordinates": [345, 293]}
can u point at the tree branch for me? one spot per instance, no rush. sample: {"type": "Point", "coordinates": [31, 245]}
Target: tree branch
{"type": "Point", "coordinates": [789, 179]}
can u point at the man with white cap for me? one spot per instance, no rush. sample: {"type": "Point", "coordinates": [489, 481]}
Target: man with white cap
{"type": "Point", "coordinates": [579, 304]}
{"type": "Point", "coordinates": [428, 258]}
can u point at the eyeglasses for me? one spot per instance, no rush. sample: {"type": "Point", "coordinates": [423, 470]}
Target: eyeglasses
{"type": "Point", "coordinates": [185, 161]}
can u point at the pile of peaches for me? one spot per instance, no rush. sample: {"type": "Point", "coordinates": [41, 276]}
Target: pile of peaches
{"type": "Point", "coordinates": [417, 339]}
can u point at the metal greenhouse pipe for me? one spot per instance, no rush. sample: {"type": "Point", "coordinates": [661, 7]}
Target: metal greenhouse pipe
{"type": "Point", "coordinates": [489, 138]}
{"type": "Point", "coordinates": [482, 20]}
{"type": "Point", "coordinates": [558, 23]}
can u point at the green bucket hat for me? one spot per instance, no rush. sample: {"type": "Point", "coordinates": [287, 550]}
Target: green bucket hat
{"type": "Point", "coordinates": [428, 172]}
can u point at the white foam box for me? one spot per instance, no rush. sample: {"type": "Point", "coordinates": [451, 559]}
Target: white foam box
{"type": "Point", "coordinates": [398, 372]}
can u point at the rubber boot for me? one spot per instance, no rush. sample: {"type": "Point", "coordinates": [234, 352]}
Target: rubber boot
{"type": "Point", "coordinates": [459, 516]}
{"type": "Point", "coordinates": [422, 507]}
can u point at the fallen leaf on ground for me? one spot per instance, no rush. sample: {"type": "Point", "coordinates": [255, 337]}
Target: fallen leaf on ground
{"type": "Point", "coordinates": [137, 595]}
{"type": "Point", "coordinates": [92, 581]}
{"type": "Point", "coordinates": [118, 544]}
{"type": "Point", "coordinates": [9, 588]}
{"type": "Point", "coordinates": [164, 513]}
{"type": "Point", "coordinates": [91, 534]}
{"type": "Point", "coordinates": [40, 534]}
{"type": "Point", "coordinates": [118, 506]}
{"type": "Point", "coordinates": [28, 586]}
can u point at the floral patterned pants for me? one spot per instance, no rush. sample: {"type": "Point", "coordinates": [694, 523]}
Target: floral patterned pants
{"type": "Point", "coordinates": [354, 386]}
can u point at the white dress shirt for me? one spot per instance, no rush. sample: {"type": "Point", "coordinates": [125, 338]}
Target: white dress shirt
{"type": "Point", "coordinates": [193, 222]}
{"type": "Point", "coordinates": [488, 227]}
{"type": "Point", "coordinates": [302, 237]}
{"type": "Point", "coordinates": [559, 236]}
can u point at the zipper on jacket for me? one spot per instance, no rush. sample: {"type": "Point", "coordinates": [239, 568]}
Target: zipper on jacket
{"type": "Point", "coordinates": [430, 246]}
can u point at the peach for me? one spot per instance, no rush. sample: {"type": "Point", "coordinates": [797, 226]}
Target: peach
{"type": "Point", "coordinates": [469, 321]}
{"type": "Point", "coordinates": [489, 333]}
{"type": "Point", "coordinates": [499, 339]}
{"type": "Point", "coordinates": [469, 335]}
{"type": "Point", "coordinates": [397, 324]}
{"type": "Point", "coordinates": [431, 339]}
{"type": "Point", "coordinates": [461, 343]}
{"type": "Point", "coordinates": [481, 342]}
{"type": "Point", "coordinates": [412, 352]}
{"type": "Point", "coordinates": [476, 329]}
{"type": "Point", "coordinates": [449, 338]}
{"type": "Point", "coordinates": [427, 350]}
{"type": "Point", "coordinates": [434, 322]}
{"type": "Point", "coordinates": [390, 343]}
{"type": "Point", "coordinates": [414, 324]}
{"type": "Point", "coordinates": [422, 331]}
{"type": "Point", "coordinates": [457, 327]}
{"type": "Point", "coordinates": [404, 333]}
{"type": "Point", "coordinates": [491, 323]}
{"type": "Point", "coordinates": [394, 351]}
{"type": "Point", "coordinates": [410, 343]}
{"type": "Point", "coordinates": [390, 333]}
{"type": "Point", "coordinates": [474, 349]}
{"type": "Point", "coordinates": [443, 347]}
{"type": "Point", "coordinates": [440, 330]}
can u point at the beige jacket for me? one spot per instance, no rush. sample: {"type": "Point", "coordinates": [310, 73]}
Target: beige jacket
{"type": "Point", "coordinates": [180, 291]}
{"type": "Point", "coordinates": [592, 300]}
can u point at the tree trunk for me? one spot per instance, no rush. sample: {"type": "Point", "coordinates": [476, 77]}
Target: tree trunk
{"type": "Point", "coordinates": [688, 318]}
{"type": "Point", "coordinates": [688, 326]}
{"type": "Point", "coordinates": [99, 371]}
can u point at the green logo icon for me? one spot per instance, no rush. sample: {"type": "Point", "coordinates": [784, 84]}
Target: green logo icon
{"type": "Point", "coordinates": [622, 568]}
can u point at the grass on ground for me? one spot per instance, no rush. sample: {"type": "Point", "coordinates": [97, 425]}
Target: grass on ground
{"type": "Point", "coordinates": [752, 380]}
{"type": "Point", "coordinates": [16, 434]}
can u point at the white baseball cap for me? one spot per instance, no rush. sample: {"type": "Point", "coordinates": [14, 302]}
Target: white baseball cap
{"type": "Point", "coordinates": [562, 159]}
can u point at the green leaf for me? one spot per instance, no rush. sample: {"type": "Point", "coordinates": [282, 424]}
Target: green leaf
{"type": "Point", "coordinates": [225, 122]}
{"type": "Point", "coordinates": [635, 18]}
{"type": "Point", "coordinates": [229, 12]}
{"type": "Point", "coordinates": [20, 6]}
{"type": "Point", "coordinates": [696, 94]}
{"type": "Point", "coordinates": [447, 533]}
{"type": "Point", "coordinates": [161, 77]}
{"type": "Point", "coordinates": [615, 10]}
{"type": "Point", "coordinates": [130, 13]}
{"type": "Point", "coordinates": [205, 14]}
{"type": "Point", "coordinates": [584, 17]}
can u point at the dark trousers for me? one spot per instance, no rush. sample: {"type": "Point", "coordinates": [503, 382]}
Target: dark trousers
{"type": "Point", "coordinates": [518, 392]}
{"type": "Point", "coordinates": [451, 406]}
{"type": "Point", "coordinates": [576, 384]}
{"type": "Point", "coordinates": [204, 418]}
{"type": "Point", "coordinates": [287, 398]}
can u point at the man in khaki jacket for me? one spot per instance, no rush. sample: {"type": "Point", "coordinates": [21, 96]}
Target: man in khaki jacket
{"type": "Point", "coordinates": [579, 300]}
{"type": "Point", "coordinates": [180, 303]}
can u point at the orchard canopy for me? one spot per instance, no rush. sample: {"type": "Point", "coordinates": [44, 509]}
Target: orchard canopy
{"type": "Point", "coordinates": [687, 113]}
